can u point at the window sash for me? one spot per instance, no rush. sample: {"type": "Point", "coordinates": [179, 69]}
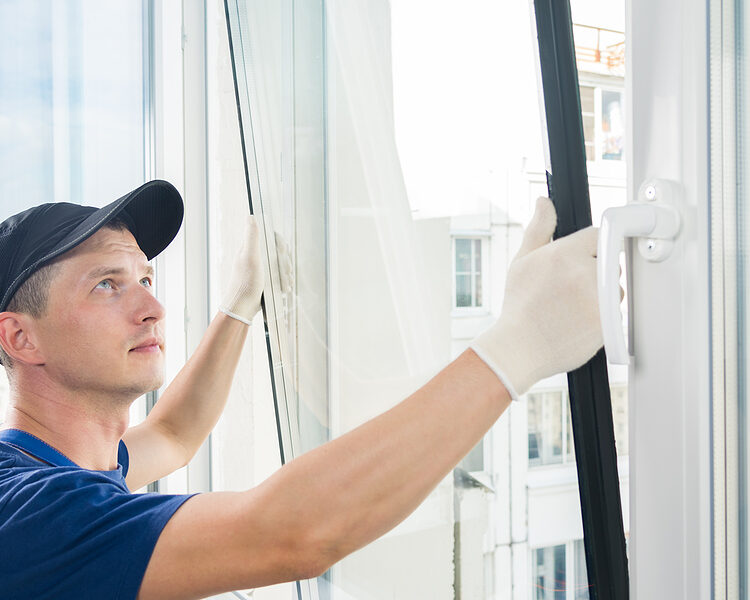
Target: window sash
{"type": "Point", "coordinates": [273, 304]}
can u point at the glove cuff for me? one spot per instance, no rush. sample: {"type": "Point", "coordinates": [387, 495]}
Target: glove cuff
{"type": "Point", "coordinates": [234, 315]}
{"type": "Point", "coordinates": [504, 379]}
{"type": "Point", "coordinates": [241, 303]}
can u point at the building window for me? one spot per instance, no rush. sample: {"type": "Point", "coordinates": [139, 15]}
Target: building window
{"type": "Point", "coordinates": [551, 428]}
{"type": "Point", "coordinates": [559, 572]}
{"type": "Point", "coordinates": [469, 260]}
{"type": "Point", "coordinates": [603, 112]}
{"type": "Point", "coordinates": [548, 573]}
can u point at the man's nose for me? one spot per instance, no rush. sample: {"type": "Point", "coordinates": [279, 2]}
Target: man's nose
{"type": "Point", "coordinates": [147, 306]}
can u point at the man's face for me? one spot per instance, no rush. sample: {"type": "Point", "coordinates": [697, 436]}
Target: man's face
{"type": "Point", "coordinates": [100, 312]}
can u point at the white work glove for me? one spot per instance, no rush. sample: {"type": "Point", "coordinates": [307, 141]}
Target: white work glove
{"type": "Point", "coordinates": [550, 318]}
{"type": "Point", "coordinates": [242, 297]}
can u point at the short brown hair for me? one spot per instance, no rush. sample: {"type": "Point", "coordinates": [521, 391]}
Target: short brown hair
{"type": "Point", "coordinates": [32, 296]}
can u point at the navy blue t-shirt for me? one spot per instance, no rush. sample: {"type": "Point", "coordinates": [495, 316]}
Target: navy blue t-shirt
{"type": "Point", "coordinates": [74, 534]}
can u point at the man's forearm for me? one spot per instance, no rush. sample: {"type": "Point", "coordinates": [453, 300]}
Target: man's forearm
{"type": "Point", "coordinates": [192, 404]}
{"type": "Point", "coordinates": [350, 491]}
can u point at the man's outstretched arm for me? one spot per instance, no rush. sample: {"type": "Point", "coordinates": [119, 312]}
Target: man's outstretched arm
{"type": "Point", "coordinates": [332, 500]}
{"type": "Point", "coordinates": [191, 405]}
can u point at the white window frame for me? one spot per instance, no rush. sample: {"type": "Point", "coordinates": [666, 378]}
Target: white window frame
{"type": "Point", "coordinates": [671, 386]}
{"type": "Point", "coordinates": [179, 156]}
{"type": "Point", "coordinates": [484, 307]}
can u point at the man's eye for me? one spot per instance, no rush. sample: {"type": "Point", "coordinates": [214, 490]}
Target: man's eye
{"type": "Point", "coordinates": [108, 283]}
{"type": "Point", "coordinates": [148, 279]}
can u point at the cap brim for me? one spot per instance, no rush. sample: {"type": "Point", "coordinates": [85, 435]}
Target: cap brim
{"type": "Point", "coordinates": [153, 211]}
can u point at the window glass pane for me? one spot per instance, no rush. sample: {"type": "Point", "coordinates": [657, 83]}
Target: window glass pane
{"type": "Point", "coordinates": [71, 106]}
{"type": "Point", "coordinates": [478, 289]}
{"type": "Point", "coordinates": [545, 427]}
{"type": "Point", "coordinates": [463, 290]}
{"type": "Point", "coordinates": [548, 573]}
{"type": "Point", "coordinates": [477, 256]}
{"type": "Point", "coordinates": [552, 428]}
{"type": "Point", "coordinates": [405, 165]}
{"type": "Point", "coordinates": [613, 125]}
{"type": "Point", "coordinates": [463, 255]}
{"type": "Point", "coordinates": [534, 402]}
{"type": "Point", "coordinates": [474, 460]}
{"type": "Point", "coordinates": [477, 272]}
{"type": "Point", "coordinates": [587, 100]}
{"type": "Point", "coordinates": [560, 574]}
{"type": "Point", "coordinates": [582, 582]}
{"type": "Point", "coordinates": [71, 102]}
{"type": "Point", "coordinates": [589, 121]}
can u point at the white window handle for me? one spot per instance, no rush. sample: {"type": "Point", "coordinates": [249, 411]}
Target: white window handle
{"type": "Point", "coordinates": [656, 222]}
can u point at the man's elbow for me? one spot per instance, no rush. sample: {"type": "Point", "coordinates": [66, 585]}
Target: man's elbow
{"type": "Point", "coordinates": [315, 556]}
{"type": "Point", "coordinates": [310, 568]}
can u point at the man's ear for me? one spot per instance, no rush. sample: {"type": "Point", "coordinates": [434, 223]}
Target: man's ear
{"type": "Point", "coordinates": [17, 339]}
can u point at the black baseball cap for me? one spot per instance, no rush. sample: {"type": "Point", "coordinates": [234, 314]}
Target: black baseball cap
{"type": "Point", "coordinates": [32, 238]}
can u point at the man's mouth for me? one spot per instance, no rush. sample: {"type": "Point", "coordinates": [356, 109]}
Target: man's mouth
{"type": "Point", "coordinates": [150, 345]}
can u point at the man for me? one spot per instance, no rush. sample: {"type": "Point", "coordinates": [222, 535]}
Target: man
{"type": "Point", "coordinates": [81, 335]}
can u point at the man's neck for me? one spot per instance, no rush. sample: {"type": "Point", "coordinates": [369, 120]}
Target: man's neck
{"type": "Point", "coordinates": [88, 437]}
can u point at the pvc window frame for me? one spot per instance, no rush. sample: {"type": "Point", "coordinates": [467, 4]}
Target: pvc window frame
{"type": "Point", "coordinates": [177, 50]}
{"type": "Point", "coordinates": [673, 85]}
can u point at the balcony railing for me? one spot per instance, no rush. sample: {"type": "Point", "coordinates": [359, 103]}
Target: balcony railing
{"type": "Point", "coordinates": [599, 49]}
